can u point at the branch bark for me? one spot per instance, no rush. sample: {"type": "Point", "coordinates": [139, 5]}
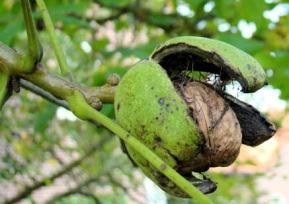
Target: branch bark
{"type": "Point", "coordinates": [62, 88]}
{"type": "Point", "coordinates": [80, 187]}
{"type": "Point", "coordinates": [76, 190]}
{"type": "Point", "coordinates": [176, 22]}
{"type": "Point", "coordinates": [44, 94]}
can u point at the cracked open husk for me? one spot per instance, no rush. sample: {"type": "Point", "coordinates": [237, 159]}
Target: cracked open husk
{"type": "Point", "coordinates": [188, 123]}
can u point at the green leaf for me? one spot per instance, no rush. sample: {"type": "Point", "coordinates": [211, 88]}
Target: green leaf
{"type": "Point", "coordinates": [194, 5]}
{"type": "Point", "coordinates": [155, 5]}
{"type": "Point", "coordinates": [252, 10]}
{"type": "Point", "coordinates": [5, 17]}
{"type": "Point", "coordinates": [71, 20]}
{"type": "Point", "coordinates": [233, 11]}
{"type": "Point", "coordinates": [113, 3]}
{"type": "Point", "coordinates": [279, 60]}
{"type": "Point", "coordinates": [278, 63]}
{"type": "Point", "coordinates": [161, 20]}
{"type": "Point", "coordinates": [99, 44]}
{"type": "Point", "coordinates": [121, 24]}
{"type": "Point", "coordinates": [142, 51]}
{"type": "Point", "coordinates": [174, 3]}
{"type": "Point", "coordinates": [248, 45]}
{"type": "Point", "coordinates": [43, 117]}
{"type": "Point", "coordinates": [10, 31]}
{"type": "Point", "coordinates": [67, 8]}
{"type": "Point", "coordinates": [226, 9]}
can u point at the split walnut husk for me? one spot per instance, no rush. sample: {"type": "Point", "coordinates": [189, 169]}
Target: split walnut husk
{"type": "Point", "coordinates": [191, 123]}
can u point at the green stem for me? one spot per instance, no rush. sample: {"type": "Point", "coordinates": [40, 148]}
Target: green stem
{"type": "Point", "coordinates": [55, 44]}
{"type": "Point", "coordinates": [81, 109]}
{"type": "Point", "coordinates": [34, 54]}
{"type": "Point", "coordinates": [4, 77]}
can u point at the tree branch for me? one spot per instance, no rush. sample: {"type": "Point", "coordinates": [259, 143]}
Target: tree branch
{"type": "Point", "coordinates": [62, 88]}
{"type": "Point", "coordinates": [57, 89]}
{"type": "Point", "coordinates": [12, 62]}
{"type": "Point", "coordinates": [91, 195]}
{"type": "Point", "coordinates": [121, 186]}
{"type": "Point", "coordinates": [76, 190]}
{"type": "Point", "coordinates": [114, 16]}
{"type": "Point", "coordinates": [79, 187]}
{"type": "Point", "coordinates": [44, 94]}
{"type": "Point", "coordinates": [29, 189]}
{"type": "Point", "coordinates": [173, 23]}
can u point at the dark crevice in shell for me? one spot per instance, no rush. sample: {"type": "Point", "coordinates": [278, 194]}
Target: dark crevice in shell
{"type": "Point", "coordinates": [202, 148]}
{"type": "Point", "coordinates": [205, 185]}
{"type": "Point", "coordinates": [180, 57]}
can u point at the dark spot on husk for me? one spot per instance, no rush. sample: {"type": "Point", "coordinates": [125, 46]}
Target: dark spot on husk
{"type": "Point", "coordinates": [118, 107]}
{"type": "Point", "coordinates": [161, 101]}
{"type": "Point", "coordinates": [157, 139]}
{"type": "Point", "coordinates": [249, 66]}
{"type": "Point", "coordinates": [143, 131]}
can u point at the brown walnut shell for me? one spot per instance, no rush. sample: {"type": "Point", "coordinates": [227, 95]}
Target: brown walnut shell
{"type": "Point", "coordinates": [217, 123]}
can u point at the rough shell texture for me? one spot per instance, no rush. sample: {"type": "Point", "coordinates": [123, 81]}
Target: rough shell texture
{"type": "Point", "coordinates": [216, 121]}
{"type": "Point", "coordinates": [218, 56]}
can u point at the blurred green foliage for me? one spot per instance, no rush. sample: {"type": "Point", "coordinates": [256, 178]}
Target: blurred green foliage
{"type": "Point", "coordinates": [100, 37]}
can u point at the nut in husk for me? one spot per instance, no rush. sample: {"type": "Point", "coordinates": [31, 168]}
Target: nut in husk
{"type": "Point", "coordinates": [190, 123]}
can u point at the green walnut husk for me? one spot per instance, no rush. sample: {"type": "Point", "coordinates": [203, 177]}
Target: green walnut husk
{"type": "Point", "coordinates": [218, 57]}
{"type": "Point", "coordinates": [163, 116]}
{"type": "Point", "coordinates": [189, 123]}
